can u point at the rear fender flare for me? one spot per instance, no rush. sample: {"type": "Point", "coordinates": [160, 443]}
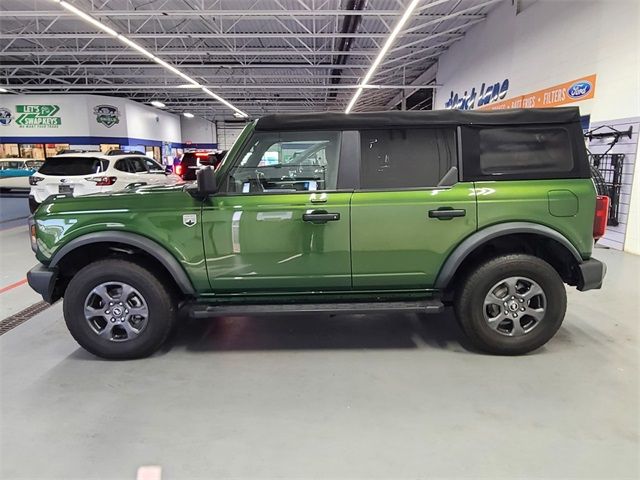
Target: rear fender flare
{"type": "Point", "coordinates": [471, 243]}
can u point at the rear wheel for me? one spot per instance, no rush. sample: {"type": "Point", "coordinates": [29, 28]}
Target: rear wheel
{"type": "Point", "coordinates": [118, 310]}
{"type": "Point", "coordinates": [511, 304]}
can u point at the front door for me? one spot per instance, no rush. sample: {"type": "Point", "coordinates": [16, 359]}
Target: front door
{"type": "Point", "coordinates": [409, 212]}
{"type": "Point", "coordinates": [279, 223]}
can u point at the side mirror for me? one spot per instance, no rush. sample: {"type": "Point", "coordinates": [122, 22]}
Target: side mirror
{"type": "Point", "coordinates": [206, 182]}
{"type": "Point", "coordinates": [168, 169]}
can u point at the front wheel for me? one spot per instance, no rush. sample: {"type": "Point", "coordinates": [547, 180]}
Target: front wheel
{"type": "Point", "coordinates": [116, 309]}
{"type": "Point", "coordinates": [511, 305]}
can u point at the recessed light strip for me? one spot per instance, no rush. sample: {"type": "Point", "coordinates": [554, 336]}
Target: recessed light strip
{"type": "Point", "coordinates": [385, 48]}
{"type": "Point", "coordinates": [146, 53]}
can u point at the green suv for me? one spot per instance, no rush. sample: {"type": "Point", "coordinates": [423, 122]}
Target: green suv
{"type": "Point", "coordinates": [492, 212]}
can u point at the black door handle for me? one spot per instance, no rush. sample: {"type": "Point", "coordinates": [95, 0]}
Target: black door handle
{"type": "Point", "coordinates": [447, 213]}
{"type": "Point", "coordinates": [320, 216]}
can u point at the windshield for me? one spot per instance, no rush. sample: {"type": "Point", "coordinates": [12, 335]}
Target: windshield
{"type": "Point", "coordinates": [73, 166]}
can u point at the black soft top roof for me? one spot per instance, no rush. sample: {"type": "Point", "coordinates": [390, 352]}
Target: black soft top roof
{"type": "Point", "coordinates": [395, 118]}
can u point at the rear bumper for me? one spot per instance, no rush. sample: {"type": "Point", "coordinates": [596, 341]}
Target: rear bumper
{"type": "Point", "coordinates": [43, 281]}
{"type": "Point", "coordinates": [592, 273]}
{"type": "Point", "coordinates": [33, 204]}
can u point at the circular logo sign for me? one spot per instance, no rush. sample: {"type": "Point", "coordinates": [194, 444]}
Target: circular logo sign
{"type": "Point", "coordinates": [5, 116]}
{"type": "Point", "coordinates": [579, 89]}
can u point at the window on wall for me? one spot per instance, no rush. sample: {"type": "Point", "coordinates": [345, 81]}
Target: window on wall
{"type": "Point", "coordinates": [52, 149]}
{"type": "Point", "coordinates": [9, 150]}
{"type": "Point", "coordinates": [405, 158]}
{"type": "Point", "coordinates": [287, 162]}
{"type": "Point", "coordinates": [35, 150]}
{"type": "Point", "coordinates": [526, 150]}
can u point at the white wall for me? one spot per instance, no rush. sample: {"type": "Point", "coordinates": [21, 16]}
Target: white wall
{"type": "Point", "coordinates": [197, 130]}
{"type": "Point", "coordinates": [552, 42]}
{"type": "Point", "coordinates": [151, 123]}
{"type": "Point", "coordinates": [77, 118]}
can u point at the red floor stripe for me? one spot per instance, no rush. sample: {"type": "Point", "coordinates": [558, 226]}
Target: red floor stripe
{"type": "Point", "coordinates": [13, 285]}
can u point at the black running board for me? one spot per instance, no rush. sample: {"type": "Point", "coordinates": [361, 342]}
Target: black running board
{"type": "Point", "coordinates": [205, 311]}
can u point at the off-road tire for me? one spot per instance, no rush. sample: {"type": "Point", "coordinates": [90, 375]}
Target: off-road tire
{"type": "Point", "coordinates": [162, 309]}
{"type": "Point", "coordinates": [469, 303]}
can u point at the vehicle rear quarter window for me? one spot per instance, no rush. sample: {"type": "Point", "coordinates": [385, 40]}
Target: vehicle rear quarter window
{"type": "Point", "coordinates": [524, 150]}
{"type": "Point", "coordinates": [73, 166]}
{"type": "Point", "coordinates": [405, 158]}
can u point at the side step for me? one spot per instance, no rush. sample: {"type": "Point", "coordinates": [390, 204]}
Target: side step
{"type": "Point", "coordinates": [205, 311]}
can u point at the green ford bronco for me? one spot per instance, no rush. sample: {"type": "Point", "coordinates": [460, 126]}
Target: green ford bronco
{"type": "Point", "coordinates": [492, 212]}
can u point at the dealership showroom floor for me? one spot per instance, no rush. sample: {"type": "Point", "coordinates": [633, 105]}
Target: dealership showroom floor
{"type": "Point", "coordinates": [345, 396]}
{"type": "Point", "coordinates": [247, 177]}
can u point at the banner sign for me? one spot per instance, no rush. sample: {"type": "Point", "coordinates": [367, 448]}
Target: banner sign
{"type": "Point", "coordinates": [574, 91]}
{"type": "Point", "coordinates": [34, 116]}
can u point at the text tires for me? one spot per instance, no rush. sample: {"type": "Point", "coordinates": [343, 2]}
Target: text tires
{"type": "Point", "coordinates": [511, 305]}
{"type": "Point", "coordinates": [116, 309]}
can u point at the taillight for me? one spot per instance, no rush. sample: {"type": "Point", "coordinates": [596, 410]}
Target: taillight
{"type": "Point", "coordinates": [33, 180]}
{"type": "Point", "coordinates": [103, 181]}
{"type": "Point", "coordinates": [179, 169]}
{"type": "Point", "coordinates": [601, 216]}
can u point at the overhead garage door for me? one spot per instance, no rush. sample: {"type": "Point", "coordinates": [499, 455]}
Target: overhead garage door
{"type": "Point", "coordinates": [227, 133]}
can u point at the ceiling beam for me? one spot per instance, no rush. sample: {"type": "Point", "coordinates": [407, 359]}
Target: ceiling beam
{"type": "Point", "coordinates": [244, 14]}
{"type": "Point", "coordinates": [198, 35]}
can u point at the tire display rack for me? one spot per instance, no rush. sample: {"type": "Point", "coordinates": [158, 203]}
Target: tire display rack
{"type": "Point", "coordinates": [607, 175]}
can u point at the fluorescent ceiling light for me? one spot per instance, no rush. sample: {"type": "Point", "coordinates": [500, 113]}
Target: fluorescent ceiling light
{"type": "Point", "coordinates": [158, 104]}
{"type": "Point", "coordinates": [191, 83]}
{"type": "Point", "coordinates": [88, 18]}
{"type": "Point", "coordinates": [4, 90]}
{"type": "Point", "coordinates": [222, 100]}
{"type": "Point", "coordinates": [188, 115]}
{"type": "Point", "coordinates": [135, 46]}
{"type": "Point", "coordinates": [385, 48]}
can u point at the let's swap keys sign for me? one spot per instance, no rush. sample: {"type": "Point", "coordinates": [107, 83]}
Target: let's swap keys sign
{"type": "Point", "coordinates": [35, 116]}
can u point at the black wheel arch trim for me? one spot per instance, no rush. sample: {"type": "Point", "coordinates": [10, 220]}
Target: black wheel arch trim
{"type": "Point", "coordinates": [477, 239]}
{"type": "Point", "coordinates": [149, 246]}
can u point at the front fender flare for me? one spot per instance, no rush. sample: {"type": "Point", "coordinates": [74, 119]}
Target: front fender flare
{"type": "Point", "coordinates": [149, 246]}
{"type": "Point", "coordinates": [480, 237]}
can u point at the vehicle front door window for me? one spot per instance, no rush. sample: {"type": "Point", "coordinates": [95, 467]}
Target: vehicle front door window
{"type": "Point", "coordinates": [153, 166]}
{"type": "Point", "coordinates": [287, 162]}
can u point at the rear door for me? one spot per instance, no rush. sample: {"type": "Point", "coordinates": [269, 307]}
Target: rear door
{"type": "Point", "coordinates": [410, 210]}
{"type": "Point", "coordinates": [281, 222]}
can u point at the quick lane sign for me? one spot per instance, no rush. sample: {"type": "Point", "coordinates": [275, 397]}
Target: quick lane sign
{"type": "Point", "coordinates": [38, 116]}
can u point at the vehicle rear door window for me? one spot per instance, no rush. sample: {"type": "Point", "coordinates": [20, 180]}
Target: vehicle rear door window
{"type": "Point", "coordinates": [70, 166]}
{"type": "Point", "coordinates": [526, 150]}
{"type": "Point", "coordinates": [287, 162]}
{"type": "Point", "coordinates": [137, 165]}
{"type": "Point", "coordinates": [123, 165]}
{"type": "Point", "coordinates": [405, 158]}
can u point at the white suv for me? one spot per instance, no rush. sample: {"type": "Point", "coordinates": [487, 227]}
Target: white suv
{"type": "Point", "coordinates": [94, 172]}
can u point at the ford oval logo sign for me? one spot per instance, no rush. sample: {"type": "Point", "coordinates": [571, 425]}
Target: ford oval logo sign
{"type": "Point", "coordinates": [579, 89]}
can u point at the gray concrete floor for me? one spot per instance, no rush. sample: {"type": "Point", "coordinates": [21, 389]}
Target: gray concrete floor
{"type": "Point", "coordinates": [344, 397]}
{"type": "Point", "coordinates": [16, 256]}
